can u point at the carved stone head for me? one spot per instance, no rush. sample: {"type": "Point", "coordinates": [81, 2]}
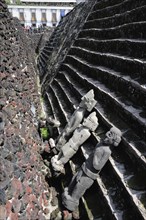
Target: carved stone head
{"type": "Point", "coordinates": [88, 101]}
{"type": "Point", "coordinates": [91, 121]}
{"type": "Point", "coordinates": [113, 136]}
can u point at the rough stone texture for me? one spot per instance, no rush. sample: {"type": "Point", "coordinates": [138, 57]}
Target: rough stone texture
{"type": "Point", "coordinates": [39, 39]}
{"type": "Point", "coordinates": [108, 56]}
{"type": "Point", "coordinates": [60, 41]}
{"type": "Point", "coordinates": [24, 192]}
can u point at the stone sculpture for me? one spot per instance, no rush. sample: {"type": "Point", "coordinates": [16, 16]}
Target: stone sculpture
{"type": "Point", "coordinates": [87, 103]}
{"type": "Point", "coordinates": [80, 135]}
{"type": "Point", "coordinates": [85, 177]}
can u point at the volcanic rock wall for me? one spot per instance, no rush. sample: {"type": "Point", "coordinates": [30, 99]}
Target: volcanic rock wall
{"type": "Point", "coordinates": [24, 192]}
{"type": "Point", "coordinates": [108, 56]}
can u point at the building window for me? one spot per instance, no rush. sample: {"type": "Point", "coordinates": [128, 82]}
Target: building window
{"type": "Point", "coordinates": [62, 13]}
{"type": "Point", "coordinates": [21, 16]}
{"type": "Point", "coordinates": [33, 16]}
{"type": "Point", "coordinates": [54, 19]}
{"type": "Point", "coordinates": [44, 19]}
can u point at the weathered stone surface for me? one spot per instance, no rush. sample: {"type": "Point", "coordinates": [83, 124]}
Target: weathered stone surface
{"type": "Point", "coordinates": [60, 41]}
{"type": "Point", "coordinates": [107, 55]}
{"type": "Point", "coordinates": [24, 192]}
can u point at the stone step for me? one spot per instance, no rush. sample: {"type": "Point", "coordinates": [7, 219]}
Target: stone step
{"type": "Point", "coordinates": [105, 3]}
{"type": "Point", "coordinates": [132, 144]}
{"type": "Point", "coordinates": [119, 63]}
{"type": "Point", "coordinates": [52, 38]}
{"type": "Point", "coordinates": [66, 96]}
{"type": "Point", "coordinates": [122, 171]}
{"type": "Point", "coordinates": [45, 55]}
{"type": "Point", "coordinates": [47, 52]}
{"type": "Point", "coordinates": [125, 47]}
{"type": "Point", "coordinates": [134, 148]}
{"type": "Point", "coordinates": [139, 153]}
{"type": "Point", "coordinates": [119, 201]}
{"type": "Point", "coordinates": [49, 104]}
{"type": "Point", "coordinates": [57, 29]}
{"type": "Point", "coordinates": [56, 111]}
{"type": "Point", "coordinates": [124, 84]}
{"type": "Point", "coordinates": [62, 100]}
{"type": "Point", "coordinates": [41, 66]}
{"type": "Point", "coordinates": [69, 90]}
{"type": "Point", "coordinates": [135, 194]}
{"type": "Point", "coordinates": [49, 40]}
{"type": "Point", "coordinates": [51, 44]}
{"type": "Point", "coordinates": [74, 94]}
{"type": "Point", "coordinates": [123, 107]}
{"type": "Point", "coordinates": [119, 195]}
{"type": "Point", "coordinates": [48, 107]}
{"type": "Point", "coordinates": [108, 56]}
{"type": "Point", "coordinates": [102, 201]}
{"type": "Point", "coordinates": [61, 115]}
{"type": "Point", "coordinates": [109, 179]}
{"type": "Point", "coordinates": [50, 113]}
{"type": "Point", "coordinates": [127, 171]}
{"type": "Point", "coordinates": [135, 15]}
{"type": "Point", "coordinates": [134, 30]}
{"type": "Point", "coordinates": [114, 9]}
{"type": "Point", "coordinates": [47, 49]}
{"type": "Point", "coordinates": [82, 211]}
{"type": "Point", "coordinates": [42, 60]}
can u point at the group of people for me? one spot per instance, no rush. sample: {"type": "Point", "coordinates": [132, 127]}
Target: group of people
{"type": "Point", "coordinates": [76, 132]}
{"type": "Point", "coordinates": [34, 30]}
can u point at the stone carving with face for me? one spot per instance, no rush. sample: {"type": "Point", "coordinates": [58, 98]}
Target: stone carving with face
{"type": "Point", "coordinates": [113, 136]}
{"type": "Point", "coordinates": [87, 104]}
{"type": "Point", "coordinates": [85, 177]}
{"type": "Point", "coordinates": [88, 101]}
{"type": "Point", "coordinates": [80, 135]}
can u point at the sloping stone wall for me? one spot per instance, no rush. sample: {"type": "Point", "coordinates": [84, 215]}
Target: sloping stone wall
{"type": "Point", "coordinates": [24, 192]}
{"type": "Point", "coordinates": [60, 41]}
{"type": "Point", "coordinates": [39, 39]}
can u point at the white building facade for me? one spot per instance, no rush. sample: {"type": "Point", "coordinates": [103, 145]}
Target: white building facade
{"type": "Point", "coordinates": [34, 13]}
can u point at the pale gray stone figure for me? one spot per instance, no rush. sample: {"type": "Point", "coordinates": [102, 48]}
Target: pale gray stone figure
{"type": "Point", "coordinates": [85, 177]}
{"type": "Point", "coordinates": [87, 104]}
{"type": "Point", "coordinates": [80, 135]}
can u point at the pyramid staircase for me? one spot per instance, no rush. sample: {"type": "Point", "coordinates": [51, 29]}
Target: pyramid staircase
{"type": "Point", "coordinates": [60, 41]}
{"type": "Point", "coordinates": [108, 56]}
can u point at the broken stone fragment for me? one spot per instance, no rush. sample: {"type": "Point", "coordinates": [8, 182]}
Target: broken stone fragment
{"type": "Point", "coordinates": [52, 143]}
{"type": "Point", "coordinates": [53, 122]}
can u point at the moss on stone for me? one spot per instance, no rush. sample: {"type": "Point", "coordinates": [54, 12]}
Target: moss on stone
{"type": "Point", "coordinates": [44, 133]}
